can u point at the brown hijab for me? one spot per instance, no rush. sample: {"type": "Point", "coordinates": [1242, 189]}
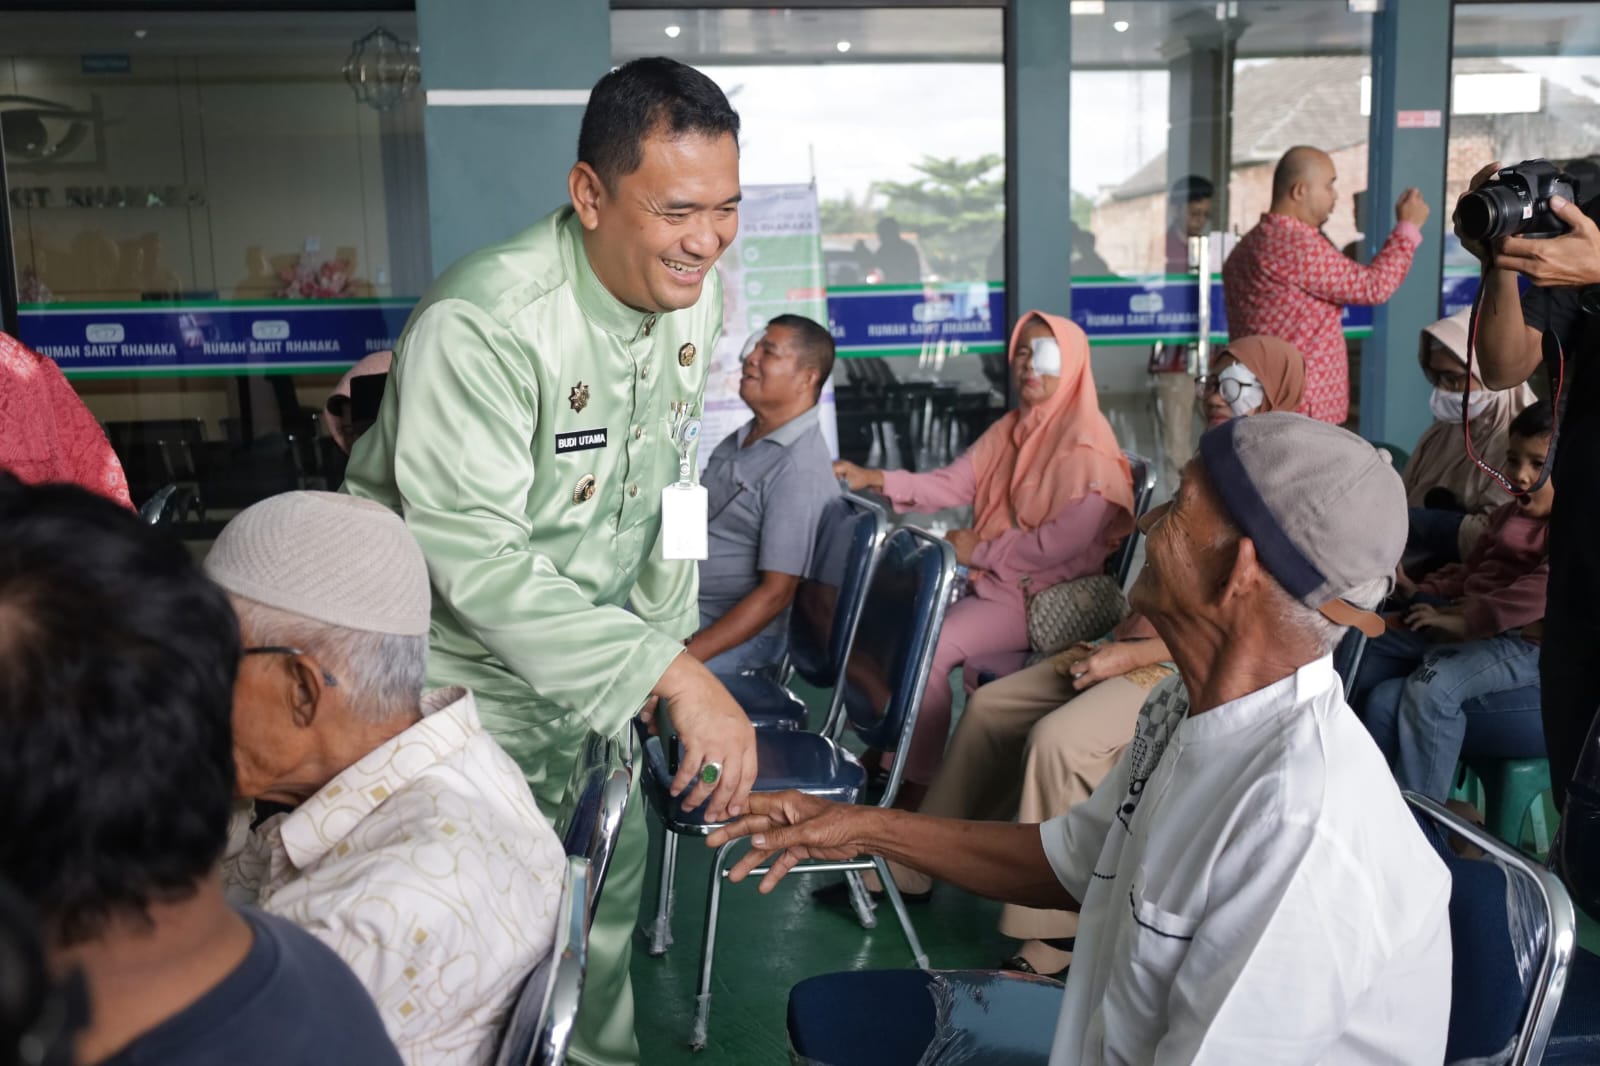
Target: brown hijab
{"type": "Point", "coordinates": [1278, 365]}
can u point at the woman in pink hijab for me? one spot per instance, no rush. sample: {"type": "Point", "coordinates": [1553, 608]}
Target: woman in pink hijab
{"type": "Point", "coordinates": [1051, 495]}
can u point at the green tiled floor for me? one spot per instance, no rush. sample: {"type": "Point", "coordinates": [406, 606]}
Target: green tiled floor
{"type": "Point", "coordinates": [768, 943]}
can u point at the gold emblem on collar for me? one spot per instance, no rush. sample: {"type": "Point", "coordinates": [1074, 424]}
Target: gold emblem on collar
{"type": "Point", "coordinates": [579, 397]}
{"type": "Point", "coordinates": [686, 355]}
{"type": "Point", "coordinates": [583, 492]}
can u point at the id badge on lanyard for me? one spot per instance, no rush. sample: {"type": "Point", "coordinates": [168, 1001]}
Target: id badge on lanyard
{"type": "Point", "coordinates": [683, 503]}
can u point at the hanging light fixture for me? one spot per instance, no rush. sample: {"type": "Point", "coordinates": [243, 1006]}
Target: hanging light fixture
{"type": "Point", "coordinates": [382, 69]}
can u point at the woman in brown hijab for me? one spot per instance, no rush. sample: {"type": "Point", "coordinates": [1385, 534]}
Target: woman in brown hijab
{"type": "Point", "coordinates": [1252, 375]}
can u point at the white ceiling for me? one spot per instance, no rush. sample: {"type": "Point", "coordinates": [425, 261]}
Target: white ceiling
{"type": "Point", "coordinates": [1157, 30]}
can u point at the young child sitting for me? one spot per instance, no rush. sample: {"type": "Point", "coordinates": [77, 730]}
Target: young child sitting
{"type": "Point", "coordinates": [1460, 633]}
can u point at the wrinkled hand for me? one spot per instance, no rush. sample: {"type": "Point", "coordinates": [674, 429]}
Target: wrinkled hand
{"type": "Point", "coordinates": [788, 828]}
{"type": "Point", "coordinates": [1442, 620]}
{"type": "Point", "coordinates": [857, 477]}
{"type": "Point", "coordinates": [1412, 208]}
{"type": "Point", "coordinates": [965, 542]}
{"type": "Point", "coordinates": [1478, 179]}
{"type": "Point", "coordinates": [1102, 664]}
{"type": "Point", "coordinates": [1569, 261]}
{"type": "Point", "coordinates": [713, 728]}
{"type": "Point", "coordinates": [1067, 659]}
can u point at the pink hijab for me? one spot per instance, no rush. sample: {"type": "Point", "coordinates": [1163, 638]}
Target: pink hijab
{"type": "Point", "coordinates": [1029, 466]}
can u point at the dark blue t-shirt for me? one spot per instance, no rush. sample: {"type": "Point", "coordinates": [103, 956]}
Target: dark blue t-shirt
{"type": "Point", "coordinates": [291, 1002]}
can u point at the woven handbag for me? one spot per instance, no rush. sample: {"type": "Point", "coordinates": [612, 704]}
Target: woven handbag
{"type": "Point", "coordinates": [1086, 608]}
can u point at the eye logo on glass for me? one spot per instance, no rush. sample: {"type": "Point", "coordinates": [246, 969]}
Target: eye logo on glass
{"type": "Point", "coordinates": [105, 333]}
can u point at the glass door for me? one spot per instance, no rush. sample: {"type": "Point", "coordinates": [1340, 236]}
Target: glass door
{"type": "Point", "coordinates": [1180, 110]}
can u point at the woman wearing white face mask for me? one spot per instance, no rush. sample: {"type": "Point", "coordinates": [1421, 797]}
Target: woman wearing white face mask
{"type": "Point", "coordinates": [1443, 485]}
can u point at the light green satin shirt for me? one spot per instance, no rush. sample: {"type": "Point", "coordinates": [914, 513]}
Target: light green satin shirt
{"type": "Point", "coordinates": [555, 609]}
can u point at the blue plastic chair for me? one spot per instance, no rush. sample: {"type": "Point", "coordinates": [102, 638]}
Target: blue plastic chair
{"type": "Point", "coordinates": [822, 620]}
{"type": "Point", "coordinates": [1512, 930]}
{"type": "Point", "coordinates": [1120, 563]}
{"type": "Point", "coordinates": [1575, 1038]}
{"type": "Point", "coordinates": [893, 1017]}
{"type": "Point", "coordinates": [590, 818]}
{"type": "Point", "coordinates": [886, 673]}
{"type": "Point", "coordinates": [1347, 657]}
{"type": "Point", "coordinates": [822, 623]}
{"type": "Point", "coordinates": [540, 1028]}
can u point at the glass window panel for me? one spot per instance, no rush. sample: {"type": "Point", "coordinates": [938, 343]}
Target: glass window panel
{"type": "Point", "coordinates": [209, 228]}
{"type": "Point", "coordinates": [896, 116]}
{"type": "Point", "coordinates": [1526, 85]}
{"type": "Point", "coordinates": [1169, 98]}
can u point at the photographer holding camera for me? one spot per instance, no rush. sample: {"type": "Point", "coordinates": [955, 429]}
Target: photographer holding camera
{"type": "Point", "coordinates": [1523, 221]}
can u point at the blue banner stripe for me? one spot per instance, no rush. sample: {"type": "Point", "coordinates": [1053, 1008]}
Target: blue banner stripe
{"type": "Point", "coordinates": [291, 336]}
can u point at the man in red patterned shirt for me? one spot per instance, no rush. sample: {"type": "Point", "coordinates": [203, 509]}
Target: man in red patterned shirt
{"type": "Point", "coordinates": [46, 433]}
{"type": "Point", "coordinates": [1286, 279]}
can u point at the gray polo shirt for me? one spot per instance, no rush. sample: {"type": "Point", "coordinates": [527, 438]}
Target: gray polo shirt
{"type": "Point", "coordinates": [763, 503]}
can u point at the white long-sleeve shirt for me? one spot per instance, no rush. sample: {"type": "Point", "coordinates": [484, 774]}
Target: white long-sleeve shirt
{"type": "Point", "coordinates": [1255, 890]}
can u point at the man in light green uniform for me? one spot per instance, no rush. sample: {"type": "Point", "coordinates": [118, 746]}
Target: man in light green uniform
{"type": "Point", "coordinates": [526, 435]}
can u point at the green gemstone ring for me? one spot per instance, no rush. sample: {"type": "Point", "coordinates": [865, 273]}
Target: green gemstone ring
{"type": "Point", "coordinates": [711, 773]}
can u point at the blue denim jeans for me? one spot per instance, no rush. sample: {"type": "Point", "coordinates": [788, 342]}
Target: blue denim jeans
{"type": "Point", "coordinates": [760, 652]}
{"type": "Point", "coordinates": [1421, 720]}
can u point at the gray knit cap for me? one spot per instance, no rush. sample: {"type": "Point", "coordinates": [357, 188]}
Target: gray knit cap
{"type": "Point", "coordinates": [1325, 509]}
{"type": "Point", "coordinates": [329, 557]}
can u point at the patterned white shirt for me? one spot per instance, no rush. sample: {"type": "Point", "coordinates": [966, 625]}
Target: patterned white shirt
{"type": "Point", "coordinates": [427, 867]}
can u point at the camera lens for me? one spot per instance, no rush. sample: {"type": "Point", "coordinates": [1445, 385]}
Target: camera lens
{"type": "Point", "coordinates": [1490, 212]}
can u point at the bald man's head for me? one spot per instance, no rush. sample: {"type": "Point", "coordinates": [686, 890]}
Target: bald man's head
{"type": "Point", "coordinates": [1302, 185]}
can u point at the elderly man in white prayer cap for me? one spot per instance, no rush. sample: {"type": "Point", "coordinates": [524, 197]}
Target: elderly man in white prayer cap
{"type": "Point", "coordinates": [413, 847]}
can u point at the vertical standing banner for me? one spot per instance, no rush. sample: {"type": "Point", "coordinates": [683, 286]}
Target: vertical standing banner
{"type": "Point", "coordinates": [773, 268]}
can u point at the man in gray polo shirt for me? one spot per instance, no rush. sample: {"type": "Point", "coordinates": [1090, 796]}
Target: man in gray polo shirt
{"type": "Point", "coordinates": [767, 482]}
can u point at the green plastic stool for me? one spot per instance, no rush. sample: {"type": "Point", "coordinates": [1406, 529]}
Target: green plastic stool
{"type": "Point", "coordinates": [1512, 789]}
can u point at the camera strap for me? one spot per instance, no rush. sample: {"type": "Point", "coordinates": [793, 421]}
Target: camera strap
{"type": "Point", "coordinates": [1466, 402]}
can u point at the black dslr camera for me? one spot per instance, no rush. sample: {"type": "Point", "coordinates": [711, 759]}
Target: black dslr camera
{"type": "Point", "coordinates": [1516, 203]}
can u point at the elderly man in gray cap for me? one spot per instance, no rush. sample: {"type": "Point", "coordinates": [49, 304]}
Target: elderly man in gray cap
{"type": "Point", "coordinates": [1252, 886]}
{"type": "Point", "coordinates": [414, 848]}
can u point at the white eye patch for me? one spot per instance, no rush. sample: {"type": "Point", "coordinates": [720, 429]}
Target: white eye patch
{"type": "Point", "coordinates": [1047, 356]}
{"type": "Point", "coordinates": [1247, 394]}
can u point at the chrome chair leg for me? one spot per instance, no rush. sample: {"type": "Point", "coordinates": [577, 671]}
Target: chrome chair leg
{"type": "Point", "coordinates": [708, 949]}
{"type": "Point", "coordinates": [660, 932]}
{"type": "Point", "coordinates": [859, 899]}
{"type": "Point", "coordinates": [917, 954]}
